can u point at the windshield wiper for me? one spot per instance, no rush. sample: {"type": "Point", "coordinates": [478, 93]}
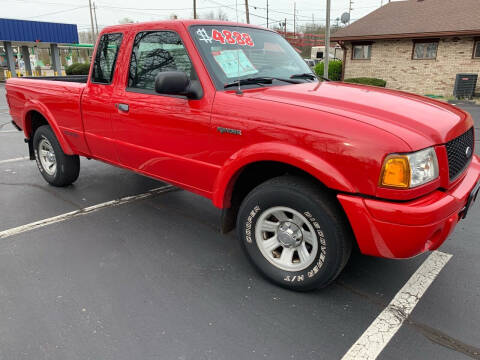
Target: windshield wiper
{"type": "Point", "coordinates": [258, 80]}
{"type": "Point", "coordinates": [303, 76]}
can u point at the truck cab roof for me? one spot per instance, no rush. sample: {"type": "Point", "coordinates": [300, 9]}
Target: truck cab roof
{"type": "Point", "coordinates": [174, 23]}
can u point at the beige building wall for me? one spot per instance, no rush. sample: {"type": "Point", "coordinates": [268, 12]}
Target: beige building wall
{"type": "Point", "coordinates": [391, 60]}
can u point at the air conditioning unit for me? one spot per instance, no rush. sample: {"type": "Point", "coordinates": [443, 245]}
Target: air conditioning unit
{"type": "Point", "coordinates": [465, 85]}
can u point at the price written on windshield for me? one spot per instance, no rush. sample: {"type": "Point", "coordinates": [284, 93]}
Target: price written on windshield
{"type": "Point", "coordinates": [232, 37]}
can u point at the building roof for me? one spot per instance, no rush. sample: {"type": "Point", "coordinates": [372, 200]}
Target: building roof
{"type": "Point", "coordinates": [415, 19]}
{"type": "Point", "coordinates": [37, 31]}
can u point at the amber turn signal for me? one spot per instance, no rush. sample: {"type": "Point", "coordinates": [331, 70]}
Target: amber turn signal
{"type": "Point", "coordinates": [396, 172]}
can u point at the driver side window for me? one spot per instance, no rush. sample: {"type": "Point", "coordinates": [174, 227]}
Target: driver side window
{"type": "Point", "coordinates": [154, 52]}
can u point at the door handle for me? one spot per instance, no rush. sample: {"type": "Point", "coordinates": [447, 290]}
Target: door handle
{"type": "Point", "coordinates": [122, 107]}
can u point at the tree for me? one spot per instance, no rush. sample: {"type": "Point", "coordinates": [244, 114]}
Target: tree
{"type": "Point", "coordinates": [220, 15]}
{"type": "Point", "coordinates": [126, 20]}
{"type": "Point", "coordinates": [86, 37]}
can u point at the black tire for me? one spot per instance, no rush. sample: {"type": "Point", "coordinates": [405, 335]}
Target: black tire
{"type": "Point", "coordinates": [320, 209]}
{"type": "Point", "coordinates": [67, 166]}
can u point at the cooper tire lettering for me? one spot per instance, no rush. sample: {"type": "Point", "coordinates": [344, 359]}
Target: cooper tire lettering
{"type": "Point", "coordinates": [275, 216]}
{"type": "Point", "coordinates": [248, 224]}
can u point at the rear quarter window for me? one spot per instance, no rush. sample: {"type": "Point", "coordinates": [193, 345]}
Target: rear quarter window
{"type": "Point", "coordinates": [106, 57]}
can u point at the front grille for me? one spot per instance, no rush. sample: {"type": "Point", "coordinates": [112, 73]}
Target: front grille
{"type": "Point", "coordinates": [460, 152]}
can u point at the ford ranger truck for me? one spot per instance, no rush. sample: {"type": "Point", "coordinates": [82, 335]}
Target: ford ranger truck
{"type": "Point", "coordinates": [304, 169]}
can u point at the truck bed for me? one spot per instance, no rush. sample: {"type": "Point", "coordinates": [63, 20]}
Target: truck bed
{"type": "Point", "coordinates": [57, 98]}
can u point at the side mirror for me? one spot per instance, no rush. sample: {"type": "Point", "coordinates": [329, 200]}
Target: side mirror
{"type": "Point", "coordinates": [177, 83]}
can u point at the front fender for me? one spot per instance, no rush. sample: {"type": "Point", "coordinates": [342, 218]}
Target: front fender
{"type": "Point", "coordinates": [33, 105]}
{"type": "Point", "coordinates": [279, 152]}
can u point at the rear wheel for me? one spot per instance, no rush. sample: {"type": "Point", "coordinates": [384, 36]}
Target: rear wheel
{"type": "Point", "coordinates": [295, 234]}
{"type": "Point", "coordinates": [56, 167]}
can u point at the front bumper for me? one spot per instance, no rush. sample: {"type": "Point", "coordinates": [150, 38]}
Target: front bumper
{"type": "Point", "coordinates": [405, 229]}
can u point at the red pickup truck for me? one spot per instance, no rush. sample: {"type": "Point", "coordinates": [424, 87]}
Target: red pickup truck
{"type": "Point", "coordinates": [305, 169]}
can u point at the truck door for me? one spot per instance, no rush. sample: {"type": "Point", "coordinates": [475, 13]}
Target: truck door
{"type": "Point", "coordinates": [96, 100]}
{"type": "Point", "coordinates": [163, 135]}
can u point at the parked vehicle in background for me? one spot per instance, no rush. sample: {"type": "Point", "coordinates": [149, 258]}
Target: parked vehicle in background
{"type": "Point", "coordinates": [304, 169]}
{"type": "Point", "coordinates": [318, 52]}
{"type": "Point", "coordinates": [310, 62]}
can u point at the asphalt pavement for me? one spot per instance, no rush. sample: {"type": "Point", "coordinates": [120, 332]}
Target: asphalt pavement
{"type": "Point", "coordinates": [153, 278]}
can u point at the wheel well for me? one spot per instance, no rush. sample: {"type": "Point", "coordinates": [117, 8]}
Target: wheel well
{"type": "Point", "coordinates": [250, 177]}
{"type": "Point", "coordinates": [34, 121]}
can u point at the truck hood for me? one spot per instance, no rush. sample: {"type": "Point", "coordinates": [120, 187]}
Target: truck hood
{"type": "Point", "coordinates": [421, 122]}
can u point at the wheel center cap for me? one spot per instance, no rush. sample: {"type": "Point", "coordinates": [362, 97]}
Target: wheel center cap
{"type": "Point", "coordinates": [50, 156]}
{"type": "Point", "coordinates": [289, 234]}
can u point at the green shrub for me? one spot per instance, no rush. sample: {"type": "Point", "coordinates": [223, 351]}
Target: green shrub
{"type": "Point", "coordinates": [367, 81]}
{"type": "Point", "coordinates": [78, 69]}
{"type": "Point", "coordinates": [334, 69]}
{"type": "Point", "coordinates": [69, 69]}
{"type": "Point", "coordinates": [81, 69]}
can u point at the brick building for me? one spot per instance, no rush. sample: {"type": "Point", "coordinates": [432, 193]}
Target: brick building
{"type": "Point", "coordinates": [415, 45]}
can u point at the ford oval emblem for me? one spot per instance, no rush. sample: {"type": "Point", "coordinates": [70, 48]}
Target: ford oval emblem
{"type": "Point", "coordinates": [468, 151]}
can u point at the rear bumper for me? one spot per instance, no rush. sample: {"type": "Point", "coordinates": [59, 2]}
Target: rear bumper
{"type": "Point", "coordinates": [405, 229]}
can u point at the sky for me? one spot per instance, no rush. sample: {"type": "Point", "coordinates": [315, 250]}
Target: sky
{"type": "Point", "coordinates": [110, 12]}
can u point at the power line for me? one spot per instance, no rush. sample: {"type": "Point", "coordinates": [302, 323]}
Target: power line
{"type": "Point", "coordinates": [42, 2]}
{"type": "Point", "coordinates": [114, 6]}
{"type": "Point", "coordinates": [250, 13]}
{"type": "Point", "coordinates": [156, 9]}
{"type": "Point", "coordinates": [277, 11]}
{"type": "Point", "coordinates": [57, 12]}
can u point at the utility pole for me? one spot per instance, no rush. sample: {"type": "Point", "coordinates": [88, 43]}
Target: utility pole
{"type": "Point", "coordinates": [285, 28]}
{"type": "Point", "coordinates": [95, 15]}
{"type": "Point", "coordinates": [350, 11]}
{"type": "Point", "coordinates": [91, 19]}
{"type": "Point", "coordinates": [267, 14]}
{"type": "Point", "coordinates": [327, 41]}
{"type": "Point", "coordinates": [194, 9]}
{"type": "Point", "coordinates": [247, 12]}
{"type": "Point", "coordinates": [294, 19]}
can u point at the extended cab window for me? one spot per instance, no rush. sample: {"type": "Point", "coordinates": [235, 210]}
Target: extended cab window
{"type": "Point", "coordinates": [154, 52]}
{"type": "Point", "coordinates": [105, 58]}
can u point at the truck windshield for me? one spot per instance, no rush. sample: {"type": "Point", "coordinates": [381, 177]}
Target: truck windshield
{"type": "Point", "coordinates": [235, 54]}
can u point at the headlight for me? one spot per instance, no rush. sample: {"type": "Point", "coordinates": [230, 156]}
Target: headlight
{"type": "Point", "coordinates": [404, 171]}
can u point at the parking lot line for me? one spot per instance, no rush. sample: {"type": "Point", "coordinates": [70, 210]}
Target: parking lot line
{"type": "Point", "coordinates": [384, 327]}
{"type": "Point", "coordinates": [14, 160]}
{"type": "Point", "coordinates": [59, 218]}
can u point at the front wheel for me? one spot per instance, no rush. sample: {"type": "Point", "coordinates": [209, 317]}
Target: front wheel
{"type": "Point", "coordinates": [295, 234]}
{"type": "Point", "coordinates": [56, 167]}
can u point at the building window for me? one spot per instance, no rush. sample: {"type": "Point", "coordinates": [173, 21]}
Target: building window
{"type": "Point", "coordinates": [476, 49]}
{"type": "Point", "coordinates": [426, 50]}
{"type": "Point", "coordinates": [361, 51]}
